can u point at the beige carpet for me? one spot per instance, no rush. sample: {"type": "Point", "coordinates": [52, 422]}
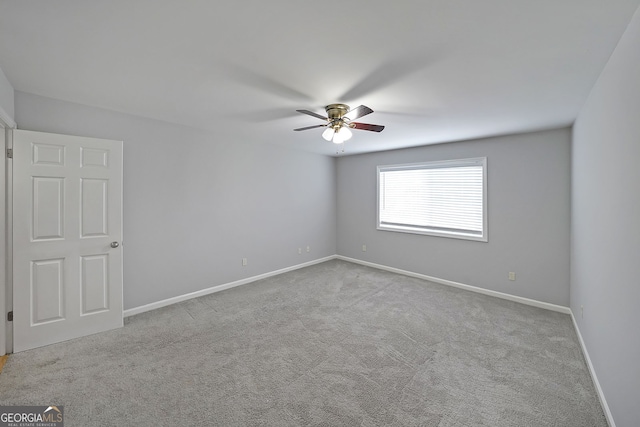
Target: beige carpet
{"type": "Point", "coordinates": [335, 344]}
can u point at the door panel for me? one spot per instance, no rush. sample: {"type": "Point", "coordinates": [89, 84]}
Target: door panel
{"type": "Point", "coordinates": [47, 291]}
{"type": "Point", "coordinates": [48, 208]}
{"type": "Point", "coordinates": [67, 209]}
{"type": "Point", "coordinates": [48, 154]}
{"type": "Point", "coordinates": [95, 195]}
{"type": "Point", "coordinates": [94, 284]}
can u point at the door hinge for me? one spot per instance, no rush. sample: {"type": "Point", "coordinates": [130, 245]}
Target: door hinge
{"type": "Point", "coordinates": [9, 153]}
{"type": "Point", "coordinates": [10, 316]}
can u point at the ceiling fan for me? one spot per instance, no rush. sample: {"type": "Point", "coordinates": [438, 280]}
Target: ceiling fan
{"type": "Point", "coordinates": [340, 121]}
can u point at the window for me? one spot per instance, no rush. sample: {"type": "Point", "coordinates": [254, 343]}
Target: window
{"type": "Point", "coordinates": [443, 198]}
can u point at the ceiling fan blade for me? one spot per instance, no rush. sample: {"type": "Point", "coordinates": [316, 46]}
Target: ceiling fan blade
{"type": "Point", "coordinates": [272, 114]}
{"type": "Point", "coordinates": [387, 74]}
{"type": "Point", "coordinates": [366, 126]}
{"type": "Point", "coordinates": [247, 77]}
{"type": "Point", "coordinates": [311, 113]}
{"type": "Point", "coordinates": [358, 112]}
{"type": "Point", "coordinates": [311, 127]}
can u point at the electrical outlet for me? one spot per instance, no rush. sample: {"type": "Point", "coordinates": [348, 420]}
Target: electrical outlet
{"type": "Point", "coordinates": [364, 248]}
{"type": "Point", "coordinates": [308, 248]}
{"type": "Point", "coordinates": [512, 275]}
{"type": "Point", "coordinates": [299, 250]}
{"type": "Point", "coordinates": [244, 261]}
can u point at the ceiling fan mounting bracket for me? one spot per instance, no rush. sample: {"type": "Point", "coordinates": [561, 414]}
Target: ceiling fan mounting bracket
{"type": "Point", "coordinates": [336, 111]}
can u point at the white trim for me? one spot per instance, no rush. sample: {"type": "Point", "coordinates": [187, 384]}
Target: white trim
{"type": "Point", "coordinates": [218, 288]}
{"type": "Point", "coordinates": [9, 243]}
{"type": "Point", "coordinates": [222, 287]}
{"type": "Point", "coordinates": [594, 377]}
{"type": "Point", "coordinates": [522, 300]}
{"type": "Point", "coordinates": [432, 231]}
{"type": "Point", "coordinates": [6, 118]}
{"type": "Point", "coordinates": [4, 278]}
{"type": "Point", "coordinates": [6, 305]}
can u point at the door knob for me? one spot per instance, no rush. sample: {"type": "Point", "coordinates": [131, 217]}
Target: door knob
{"type": "Point", "coordinates": [115, 244]}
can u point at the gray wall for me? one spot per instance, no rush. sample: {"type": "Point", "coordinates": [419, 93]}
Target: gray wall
{"type": "Point", "coordinates": [194, 205]}
{"type": "Point", "coordinates": [528, 212]}
{"type": "Point", "coordinates": [605, 263]}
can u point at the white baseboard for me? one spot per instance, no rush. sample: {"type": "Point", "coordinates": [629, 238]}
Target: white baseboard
{"type": "Point", "coordinates": [218, 288]}
{"type": "Point", "coordinates": [594, 377]}
{"type": "Point", "coordinates": [522, 300]}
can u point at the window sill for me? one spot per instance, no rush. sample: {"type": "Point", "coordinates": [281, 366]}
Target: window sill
{"type": "Point", "coordinates": [435, 233]}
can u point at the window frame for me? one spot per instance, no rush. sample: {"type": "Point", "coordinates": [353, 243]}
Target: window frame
{"type": "Point", "coordinates": [437, 164]}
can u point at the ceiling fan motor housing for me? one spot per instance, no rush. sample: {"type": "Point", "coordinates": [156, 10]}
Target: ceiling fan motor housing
{"type": "Point", "coordinates": [336, 111]}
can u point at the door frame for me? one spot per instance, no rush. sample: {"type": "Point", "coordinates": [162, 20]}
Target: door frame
{"type": "Point", "coordinates": [6, 261]}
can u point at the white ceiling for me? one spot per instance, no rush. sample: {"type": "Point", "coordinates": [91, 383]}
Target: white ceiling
{"type": "Point", "coordinates": [433, 70]}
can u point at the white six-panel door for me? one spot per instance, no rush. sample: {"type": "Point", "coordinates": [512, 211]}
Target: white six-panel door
{"type": "Point", "coordinates": [67, 230]}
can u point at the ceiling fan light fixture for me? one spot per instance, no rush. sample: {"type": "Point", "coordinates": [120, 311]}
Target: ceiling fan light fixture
{"type": "Point", "coordinates": [342, 134]}
{"type": "Point", "coordinates": [346, 133]}
{"type": "Point", "coordinates": [328, 133]}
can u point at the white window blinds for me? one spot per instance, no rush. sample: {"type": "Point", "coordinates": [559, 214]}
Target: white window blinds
{"type": "Point", "coordinates": [442, 198]}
